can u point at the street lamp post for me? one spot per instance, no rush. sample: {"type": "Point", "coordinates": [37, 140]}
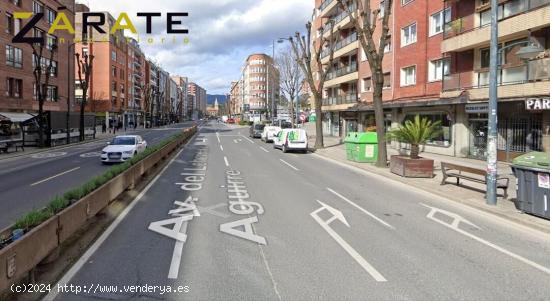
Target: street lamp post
{"type": "Point", "coordinates": [527, 52]}
{"type": "Point", "coordinates": [68, 123]}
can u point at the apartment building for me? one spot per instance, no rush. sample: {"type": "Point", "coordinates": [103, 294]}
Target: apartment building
{"type": "Point", "coordinates": [108, 87]}
{"type": "Point", "coordinates": [183, 108]}
{"type": "Point", "coordinates": [17, 82]}
{"type": "Point", "coordinates": [136, 81]}
{"type": "Point", "coordinates": [523, 76]}
{"type": "Point", "coordinates": [198, 98]}
{"type": "Point", "coordinates": [260, 86]}
{"type": "Point", "coordinates": [433, 67]}
{"type": "Point", "coordinates": [235, 99]}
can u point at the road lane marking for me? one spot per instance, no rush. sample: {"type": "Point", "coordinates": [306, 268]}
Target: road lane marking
{"type": "Point", "coordinates": [290, 165]}
{"type": "Point", "coordinates": [263, 148]}
{"type": "Point", "coordinates": [226, 162]}
{"type": "Point", "coordinates": [454, 225]}
{"type": "Point", "coordinates": [337, 215]}
{"type": "Point", "coordinates": [221, 147]}
{"type": "Point", "coordinates": [218, 137]}
{"type": "Point", "coordinates": [249, 140]}
{"type": "Point", "coordinates": [361, 208]}
{"type": "Point", "coordinates": [48, 155]}
{"type": "Point", "coordinates": [95, 246]}
{"type": "Point", "coordinates": [57, 175]}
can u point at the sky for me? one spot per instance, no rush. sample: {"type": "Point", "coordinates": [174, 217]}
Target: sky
{"type": "Point", "coordinates": [222, 33]}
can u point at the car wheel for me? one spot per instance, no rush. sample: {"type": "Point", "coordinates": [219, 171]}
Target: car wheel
{"type": "Point", "coordinates": [285, 150]}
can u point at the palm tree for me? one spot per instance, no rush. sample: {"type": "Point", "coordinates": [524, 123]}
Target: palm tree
{"type": "Point", "coordinates": [416, 132]}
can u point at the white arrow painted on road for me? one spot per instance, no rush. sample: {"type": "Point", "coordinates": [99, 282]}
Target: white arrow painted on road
{"type": "Point", "coordinates": [457, 220]}
{"type": "Point", "coordinates": [338, 215]}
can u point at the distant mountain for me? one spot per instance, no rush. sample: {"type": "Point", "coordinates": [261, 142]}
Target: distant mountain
{"type": "Point", "coordinates": [211, 98]}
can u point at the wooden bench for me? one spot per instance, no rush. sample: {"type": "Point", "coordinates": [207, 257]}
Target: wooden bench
{"type": "Point", "coordinates": [450, 170]}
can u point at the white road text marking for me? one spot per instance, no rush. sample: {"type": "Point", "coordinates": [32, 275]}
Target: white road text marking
{"type": "Point", "coordinates": [360, 208]}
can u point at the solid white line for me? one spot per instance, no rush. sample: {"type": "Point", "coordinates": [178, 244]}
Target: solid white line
{"type": "Point", "coordinates": [176, 255]}
{"type": "Point", "coordinates": [95, 246]}
{"type": "Point", "coordinates": [226, 162]}
{"type": "Point", "coordinates": [218, 137]}
{"type": "Point", "coordinates": [361, 208]}
{"type": "Point", "coordinates": [265, 150]}
{"type": "Point", "coordinates": [53, 177]}
{"type": "Point", "coordinates": [351, 251]}
{"type": "Point", "coordinates": [290, 165]}
{"type": "Point", "coordinates": [249, 140]}
{"type": "Point", "coordinates": [221, 147]}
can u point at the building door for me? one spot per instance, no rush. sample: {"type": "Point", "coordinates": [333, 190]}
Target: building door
{"type": "Point", "coordinates": [518, 135]}
{"type": "Point", "coordinates": [478, 138]}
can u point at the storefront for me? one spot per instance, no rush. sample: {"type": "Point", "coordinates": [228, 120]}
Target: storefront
{"type": "Point", "coordinates": [332, 123]}
{"type": "Point", "coordinates": [519, 130]}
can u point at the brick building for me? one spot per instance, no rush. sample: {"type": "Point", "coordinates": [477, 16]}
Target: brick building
{"type": "Point", "coordinates": [17, 82]}
{"type": "Point", "coordinates": [198, 98]}
{"type": "Point", "coordinates": [432, 67]}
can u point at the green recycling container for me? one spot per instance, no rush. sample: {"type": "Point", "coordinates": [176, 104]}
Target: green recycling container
{"type": "Point", "coordinates": [349, 144]}
{"type": "Point", "coordinates": [532, 173]}
{"type": "Point", "coordinates": [366, 147]}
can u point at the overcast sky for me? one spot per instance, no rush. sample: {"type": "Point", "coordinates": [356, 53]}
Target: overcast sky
{"type": "Point", "coordinates": [222, 33]}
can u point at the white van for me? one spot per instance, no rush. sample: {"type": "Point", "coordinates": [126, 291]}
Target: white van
{"type": "Point", "coordinates": [269, 133]}
{"type": "Point", "coordinates": [291, 139]}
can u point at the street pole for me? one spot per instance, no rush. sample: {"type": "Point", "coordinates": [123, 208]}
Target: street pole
{"type": "Point", "coordinates": [68, 123]}
{"type": "Point", "coordinates": [493, 103]}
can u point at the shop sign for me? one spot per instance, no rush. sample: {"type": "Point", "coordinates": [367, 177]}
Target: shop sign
{"type": "Point", "coordinates": [537, 104]}
{"type": "Point", "coordinates": [477, 108]}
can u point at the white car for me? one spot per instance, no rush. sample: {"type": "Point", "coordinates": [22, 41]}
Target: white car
{"type": "Point", "coordinates": [122, 148]}
{"type": "Point", "coordinates": [269, 133]}
{"type": "Point", "coordinates": [291, 139]}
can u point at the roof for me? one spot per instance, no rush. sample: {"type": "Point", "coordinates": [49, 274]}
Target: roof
{"type": "Point", "coordinates": [15, 116]}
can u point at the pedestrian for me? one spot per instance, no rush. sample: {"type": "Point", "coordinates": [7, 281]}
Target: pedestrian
{"type": "Point", "coordinates": [135, 125]}
{"type": "Point", "coordinates": [103, 128]}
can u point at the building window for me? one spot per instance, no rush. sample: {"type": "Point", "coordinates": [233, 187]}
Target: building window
{"type": "Point", "coordinates": [505, 10]}
{"type": "Point", "coordinates": [405, 2]}
{"type": "Point", "coordinates": [37, 7]}
{"type": "Point", "coordinates": [438, 20]}
{"type": "Point", "coordinates": [114, 86]}
{"type": "Point", "coordinates": [408, 76]}
{"type": "Point", "coordinates": [122, 89]}
{"type": "Point", "coordinates": [51, 93]}
{"type": "Point", "coordinates": [408, 35]}
{"type": "Point", "coordinates": [444, 138]}
{"type": "Point", "coordinates": [484, 57]}
{"type": "Point", "coordinates": [437, 69]}
{"type": "Point", "coordinates": [9, 24]}
{"type": "Point", "coordinates": [367, 84]}
{"type": "Point", "coordinates": [37, 32]}
{"type": "Point", "coordinates": [381, 14]}
{"type": "Point", "coordinates": [387, 80]}
{"type": "Point", "coordinates": [387, 46]}
{"type": "Point", "coordinates": [14, 56]}
{"type": "Point", "coordinates": [50, 16]}
{"type": "Point", "coordinates": [51, 42]}
{"type": "Point", "coordinates": [113, 70]}
{"type": "Point", "coordinates": [113, 56]}
{"type": "Point", "coordinates": [16, 2]}
{"type": "Point", "coordinates": [14, 87]}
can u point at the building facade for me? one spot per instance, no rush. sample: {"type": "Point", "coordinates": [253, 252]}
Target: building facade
{"type": "Point", "coordinates": [198, 97]}
{"type": "Point", "coordinates": [433, 67]}
{"type": "Point", "coordinates": [183, 107]}
{"type": "Point", "coordinates": [17, 82]}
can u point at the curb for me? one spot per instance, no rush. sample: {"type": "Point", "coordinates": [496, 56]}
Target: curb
{"type": "Point", "coordinates": [440, 195]}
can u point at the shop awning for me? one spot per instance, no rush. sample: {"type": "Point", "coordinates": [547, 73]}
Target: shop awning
{"type": "Point", "coordinates": [15, 117]}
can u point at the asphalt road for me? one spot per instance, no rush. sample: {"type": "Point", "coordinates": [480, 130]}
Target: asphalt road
{"type": "Point", "coordinates": [28, 182]}
{"type": "Point", "coordinates": [263, 225]}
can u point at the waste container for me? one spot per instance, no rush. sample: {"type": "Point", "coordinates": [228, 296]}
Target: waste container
{"type": "Point", "coordinates": [349, 144]}
{"type": "Point", "coordinates": [366, 148]}
{"type": "Point", "coordinates": [532, 173]}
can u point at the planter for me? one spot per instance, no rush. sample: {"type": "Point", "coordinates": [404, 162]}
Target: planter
{"type": "Point", "coordinates": [412, 168]}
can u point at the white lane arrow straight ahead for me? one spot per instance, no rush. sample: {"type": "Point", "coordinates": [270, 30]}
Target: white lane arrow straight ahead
{"type": "Point", "coordinates": [338, 215]}
{"type": "Point", "coordinates": [457, 220]}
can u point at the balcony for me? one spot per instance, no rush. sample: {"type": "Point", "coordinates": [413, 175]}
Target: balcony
{"type": "Point", "coordinates": [257, 107]}
{"type": "Point", "coordinates": [473, 30]}
{"type": "Point", "coordinates": [339, 46]}
{"type": "Point", "coordinates": [521, 80]}
{"type": "Point", "coordinates": [326, 6]}
{"type": "Point", "coordinates": [349, 98]}
{"type": "Point", "coordinates": [342, 75]}
{"type": "Point", "coordinates": [339, 20]}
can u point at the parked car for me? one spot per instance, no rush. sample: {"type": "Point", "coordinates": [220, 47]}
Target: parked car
{"type": "Point", "coordinates": [291, 139]}
{"type": "Point", "coordinates": [256, 130]}
{"type": "Point", "coordinates": [230, 121]}
{"type": "Point", "coordinates": [269, 133]}
{"type": "Point", "coordinates": [122, 148]}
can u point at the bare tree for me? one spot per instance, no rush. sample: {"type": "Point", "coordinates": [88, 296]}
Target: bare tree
{"type": "Point", "coordinates": [365, 23]}
{"type": "Point", "coordinates": [41, 89]}
{"type": "Point", "coordinates": [313, 69]}
{"type": "Point", "coordinates": [147, 96]}
{"type": "Point", "coordinates": [85, 66]}
{"type": "Point", "coordinates": [291, 77]}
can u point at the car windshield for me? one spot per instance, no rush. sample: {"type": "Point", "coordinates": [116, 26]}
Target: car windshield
{"type": "Point", "coordinates": [259, 126]}
{"type": "Point", "coordinates": [123, 141]}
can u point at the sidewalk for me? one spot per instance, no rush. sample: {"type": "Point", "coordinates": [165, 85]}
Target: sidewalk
{"type": "Point", "coordinates": [33, 150]}
{"type": "Point", "coordinates": [468, 193]}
